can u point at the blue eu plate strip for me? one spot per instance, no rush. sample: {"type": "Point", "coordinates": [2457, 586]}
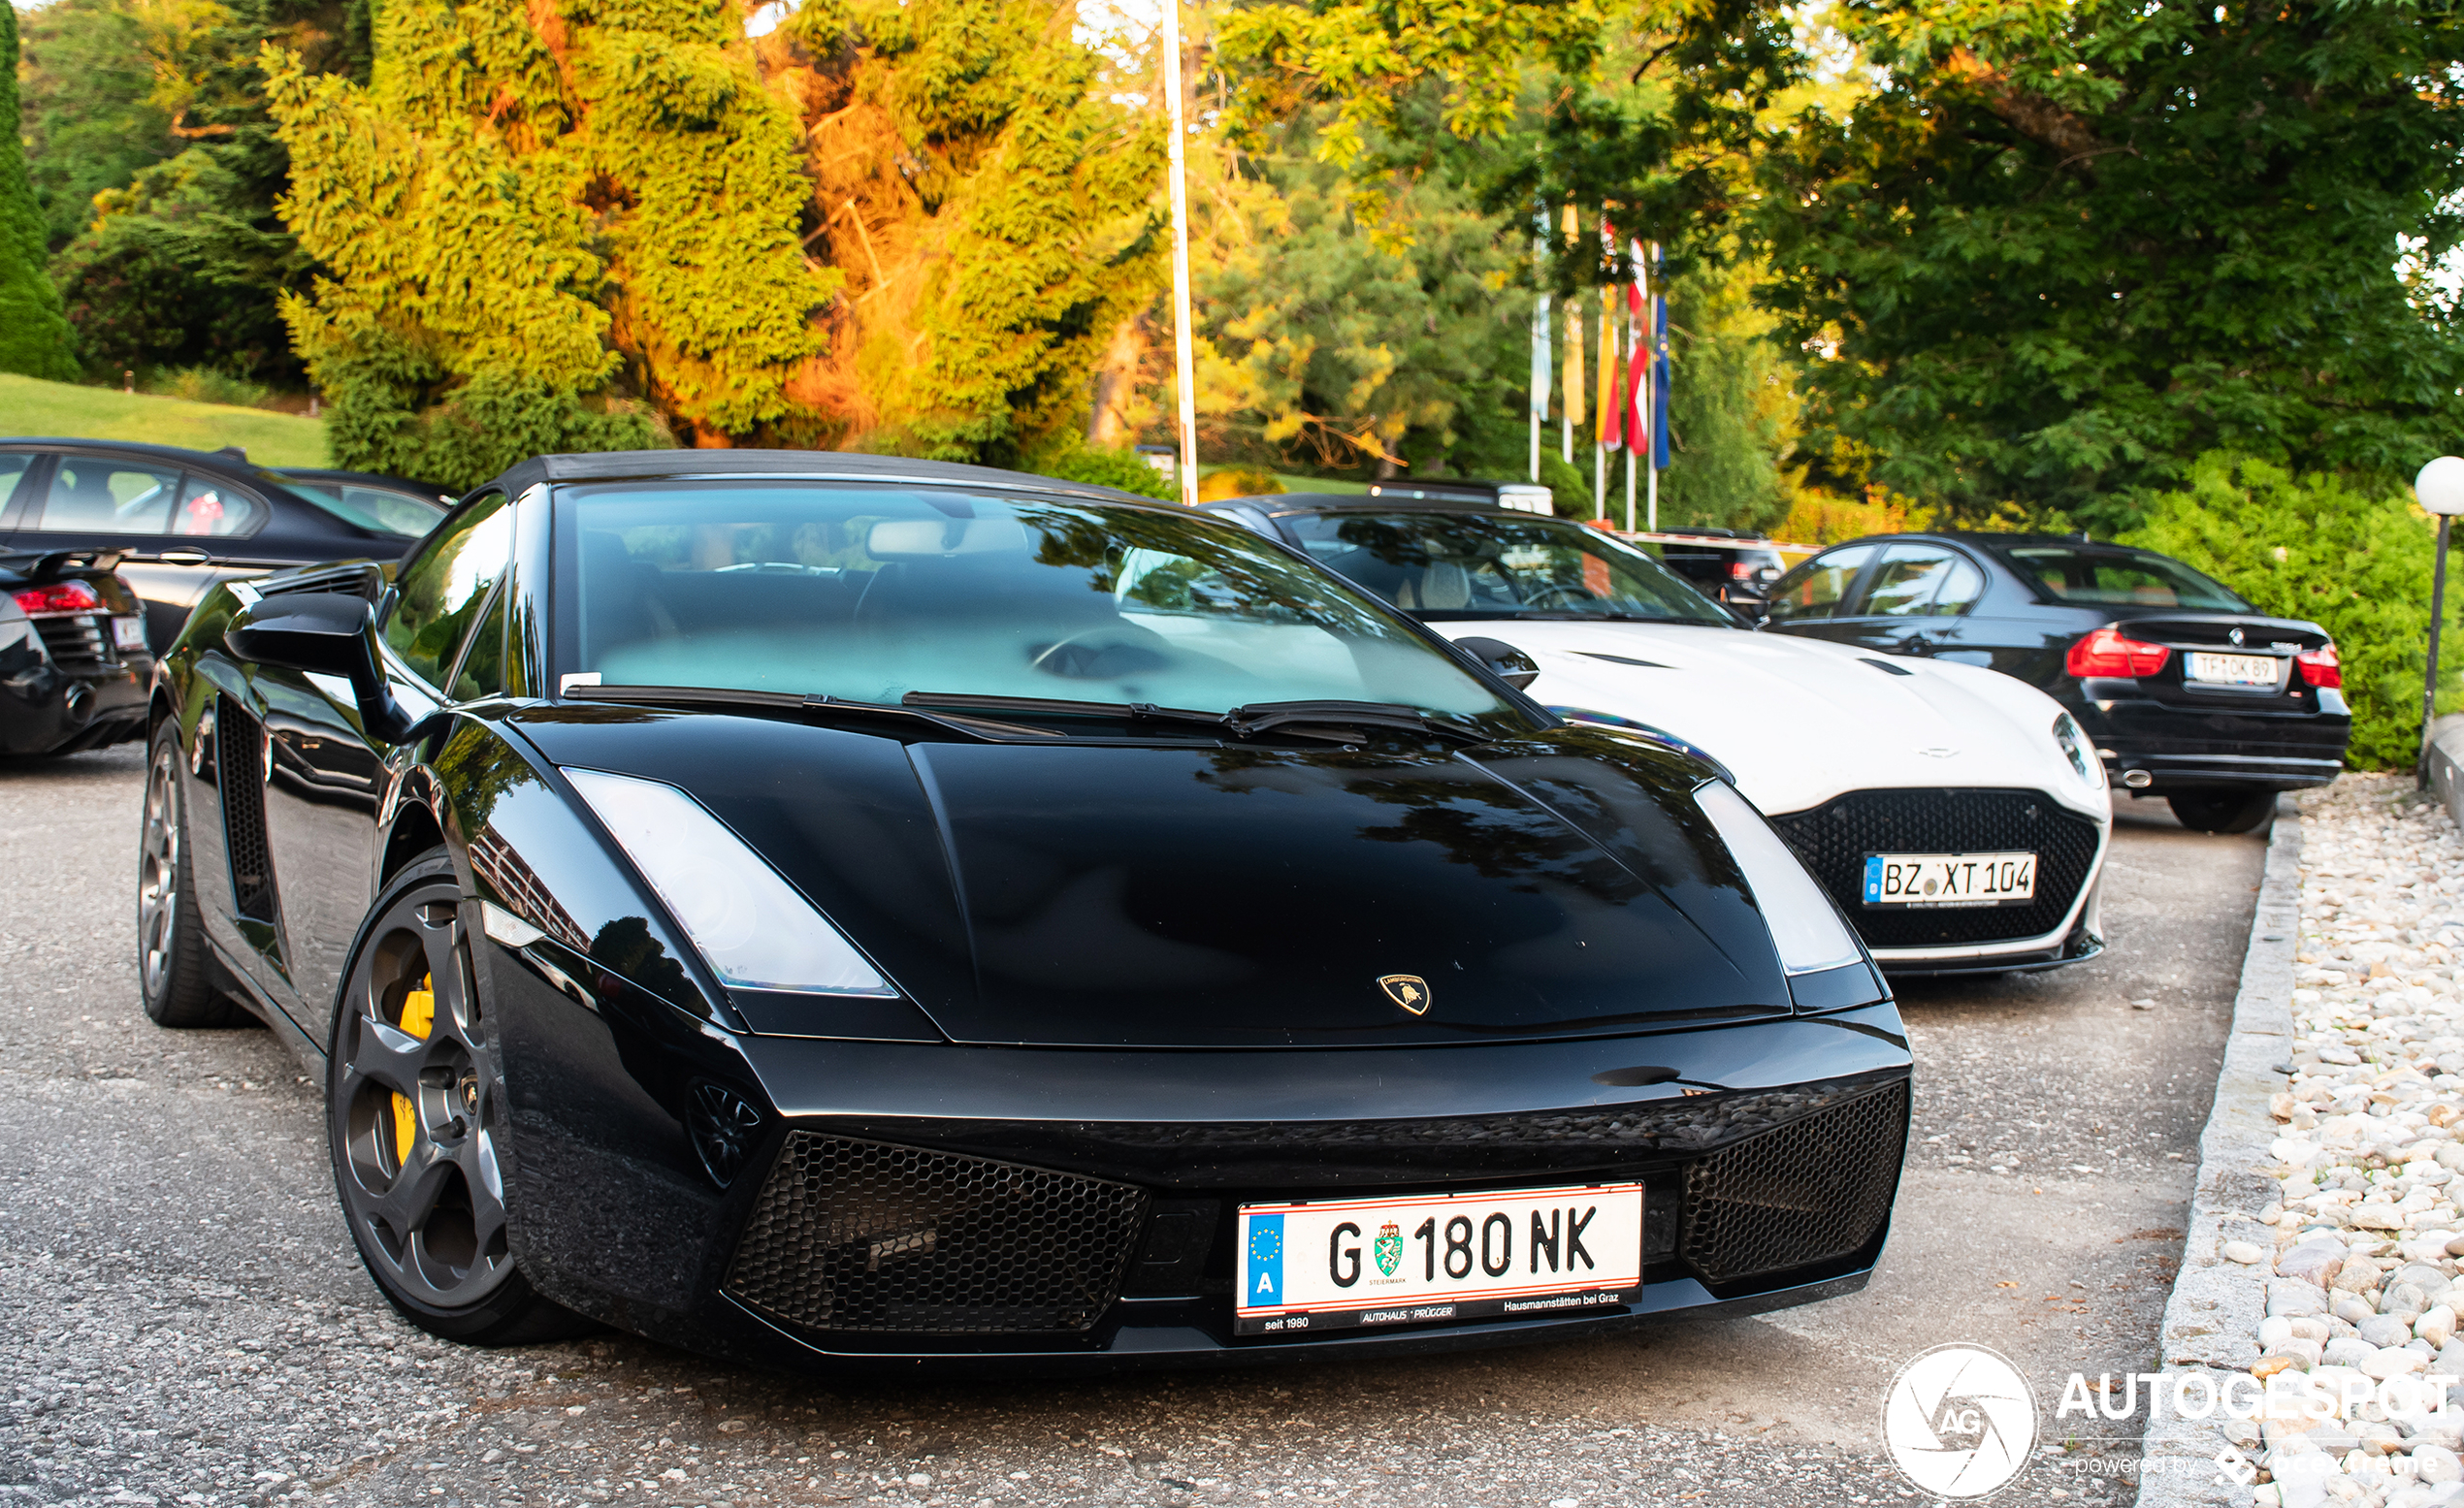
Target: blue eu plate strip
{"type": "Point", "coordinates": [1874, 878]}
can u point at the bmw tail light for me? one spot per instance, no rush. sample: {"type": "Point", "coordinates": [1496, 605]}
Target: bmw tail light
{"type": "Point", "coordinates": [59, 599]}
{"type": "Point", "coordinates": [2106, 652]}
{"type": "Point", "coordinates": [2320, 668]}
{"type": "Point", "coordinates": [756, 931]}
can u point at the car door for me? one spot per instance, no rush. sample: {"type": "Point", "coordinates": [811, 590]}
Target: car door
{"type": "Point", "coordinates": [182, 531]}
{"type": "Point", "coordinates": [1911, 599]}
{"type": "Point", "coordinates": [325, 776]}
{"type": "Point", "coordinates": [1810, 599]}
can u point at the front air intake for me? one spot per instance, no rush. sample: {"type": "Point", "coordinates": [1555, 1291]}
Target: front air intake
{"type": "Point", "coordinates": [863, 1235]}
{"type": "Point", "coordinates": [1812, 1191]}
{"type": "Point", "coordinates": [1833, 839]}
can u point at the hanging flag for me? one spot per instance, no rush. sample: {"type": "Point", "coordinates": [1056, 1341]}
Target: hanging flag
{"type": "Point", "coordinates": [1610, 429]}
{"type": "Point", "coordinates": [1636, 305]}
{"type": "Point", "coordinates": [1660, 386]}
{"type": "Point", "coordinates": [1540, 316]}
{"type": "Point", "coordinates": [1572, 412]}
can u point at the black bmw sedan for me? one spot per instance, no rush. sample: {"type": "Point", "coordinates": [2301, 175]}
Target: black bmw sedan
{"type": "Point", "coordinates": [182, 520]}
{"type": "Point", "coordinates": [2188, 691]}
{"type": "Point", "coordinates": [839, 910]}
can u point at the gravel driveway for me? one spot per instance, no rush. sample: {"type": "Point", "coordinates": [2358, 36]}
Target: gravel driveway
{"type": "Point", "coordinates": [184, 1322]}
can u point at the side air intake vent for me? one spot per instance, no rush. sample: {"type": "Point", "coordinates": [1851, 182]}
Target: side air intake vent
{"type": "Point", "coordinates": [861, 1235]}
{"type": "Point", "coordinates": [1813, 1190]}
{"type": "Point", "coordinates": [239, 770]}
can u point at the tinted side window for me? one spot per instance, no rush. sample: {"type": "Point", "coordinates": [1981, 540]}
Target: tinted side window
{"type": "Point", "coordinates": [13, 469]}
{"type": "Point", "coordinates": [482, 672]}
{"type": "Point", "coordinates": [1815, 588]}
{"type": "Point", "coordinates": [447, 587]}
{"type": "Point", "coordinates": [93, 496]}
{"type": "Point", "coordinates": [210, 509]}
{"type": "Point", "coordinates": [1959, 589]}
{"type": "Point", "coordinates": [1907, 582]}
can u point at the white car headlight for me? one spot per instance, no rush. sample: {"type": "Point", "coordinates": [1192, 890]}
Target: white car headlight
{"type": "Point", "coordinates": [2074, 747]}
{"type": "Point", "coordinates": [1805, 927]}
{"type": "Point", "coordinates": [752, 927]}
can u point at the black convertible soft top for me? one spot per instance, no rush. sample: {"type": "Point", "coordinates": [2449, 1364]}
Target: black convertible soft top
{"type": "Point", "coordinates": [821, 465]}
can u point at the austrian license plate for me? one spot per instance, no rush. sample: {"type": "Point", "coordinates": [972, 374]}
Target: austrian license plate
{"type": "Point", "coordinates": [128, 633]}
{"type": "Point", "coordinates": [2232, 669]}
{"type": "Point", "coordinates": [1948, 879]}
{"type": "Point", "coordinates": [1341, 1264]}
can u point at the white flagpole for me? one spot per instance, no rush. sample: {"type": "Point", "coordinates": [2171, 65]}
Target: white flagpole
{"type": "Point", "coordinates": [1183, 363]}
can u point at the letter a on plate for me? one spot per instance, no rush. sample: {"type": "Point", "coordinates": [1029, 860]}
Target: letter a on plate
{"type": "Point", "coordinates": [1407, 990]}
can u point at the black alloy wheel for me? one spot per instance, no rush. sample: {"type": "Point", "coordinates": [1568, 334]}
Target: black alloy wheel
{"type": "Point", "coordinates": [413, 1122]}
{"type": "Point", "coordinates": [171, 945]}
{"type": "Point", "coordinates": [2224, 808]}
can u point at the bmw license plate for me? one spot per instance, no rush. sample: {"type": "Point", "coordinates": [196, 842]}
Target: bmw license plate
{"type": "Point", "coordinates": [1339, 1263]}
{"type": "Point", "coordinates": [2233, 669]}
{"type": "Point", "coordinates": [128, 633]}
{"type": "Point", "coordinates": [1926, 879]}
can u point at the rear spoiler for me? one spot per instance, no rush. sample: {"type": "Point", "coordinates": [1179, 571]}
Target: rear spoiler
{"type": "Point", "coordinates": [51, 563]}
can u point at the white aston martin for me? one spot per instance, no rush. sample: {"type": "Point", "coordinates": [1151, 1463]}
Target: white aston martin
{"type": "Point", "coordinates": [1956, 814]}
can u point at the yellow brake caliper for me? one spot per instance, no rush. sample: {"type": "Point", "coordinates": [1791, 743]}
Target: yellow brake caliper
{"type": "Point", "coordinates": [419, 1019]}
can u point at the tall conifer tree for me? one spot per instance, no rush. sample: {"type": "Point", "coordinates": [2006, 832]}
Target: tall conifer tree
{"type": "Point", "coordinates": [529, 212]}
{"type": "Point", "coordinates": [34, 338]}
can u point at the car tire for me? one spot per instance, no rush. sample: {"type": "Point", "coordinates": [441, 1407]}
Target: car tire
{"type": "Point", "coordinates": [413, 1108]}
{"type": "Point", "coordinates": [2226, 810]}
{"type": "Point", "coordinates": [174, 981]}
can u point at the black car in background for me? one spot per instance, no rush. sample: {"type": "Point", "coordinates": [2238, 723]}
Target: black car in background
{"type": "Point", "coordinates": [182, 520]}
{"type": "Point", "coordinates": [74, 662]}
{"type": "Point", "coordinates": [396, 502]}
{"type": "Point", "coordinates": [1723, 564]}
{"type": "Point", "coordinates": [2188, 691]}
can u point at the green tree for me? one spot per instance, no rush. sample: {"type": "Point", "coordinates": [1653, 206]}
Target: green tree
{"type": "Point", "coordinates": [1331, 346]}
{"type": "Point", "coordinates": [90, 121]}
{"type": "Point", "coordinates": [34, 338]}
{"type": "Point", "coordinates": [2065, 247]}
{"type": "Point", "coordinates": [2357, 561]}
{"type": "Point", "coordinates": [997, 211]}
{"type": "Point", "coordinates": [555, 205]}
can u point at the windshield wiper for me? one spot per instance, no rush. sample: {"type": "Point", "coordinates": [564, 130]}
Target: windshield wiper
{"type": "Point", "coordinates": [1258, 717]}
{"type": "Point", "coordinates": [1335, 722]}
{"type": "Point", "coordinates": [829, 709]}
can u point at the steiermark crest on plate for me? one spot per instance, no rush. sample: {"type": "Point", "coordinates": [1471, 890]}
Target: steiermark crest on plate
{"type": "Point", "coordinates": [1389, 1248]}
{"type": "Point", "coordinates": [1407, 990]}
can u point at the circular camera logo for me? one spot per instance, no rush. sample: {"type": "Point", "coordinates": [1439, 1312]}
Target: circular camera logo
{"type": "Point", "coordinates": [1959, 1420]}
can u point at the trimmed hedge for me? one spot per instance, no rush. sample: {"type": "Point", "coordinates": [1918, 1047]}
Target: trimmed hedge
{"type": "Point", "coordinates": [2357, 561]}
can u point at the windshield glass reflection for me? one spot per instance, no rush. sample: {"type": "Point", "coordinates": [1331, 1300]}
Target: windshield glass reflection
{"type": "Point", "coordinates": [867, 593]}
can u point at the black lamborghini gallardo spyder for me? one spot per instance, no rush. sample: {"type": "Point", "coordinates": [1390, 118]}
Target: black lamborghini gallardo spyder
{"type": "Point", "coordinates": [829, 910]}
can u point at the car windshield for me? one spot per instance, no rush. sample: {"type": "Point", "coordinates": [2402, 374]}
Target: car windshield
{"type": "Point", "coordinates": [1451, 566]}
{"type": "Point", "coordinates": [2110, 577]}
{"type": "Point", "coordinates": [870, 593]}
{"type": "Point", "coordinates": [380, 509]}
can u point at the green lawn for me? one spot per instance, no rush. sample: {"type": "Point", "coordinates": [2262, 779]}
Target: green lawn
{"type": "Point", "coordinates": [29, 407]}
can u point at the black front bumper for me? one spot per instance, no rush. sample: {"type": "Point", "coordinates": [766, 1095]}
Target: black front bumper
{"type": "Point", "coordinates": [1100, 1188]}
{"type": "Point", "coordinates": [2180, 747]}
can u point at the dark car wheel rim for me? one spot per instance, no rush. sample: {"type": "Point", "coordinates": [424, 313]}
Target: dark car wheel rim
{"type": "Point", "coordinates": [158, 875]}
{"type": "Point", "coordinates": [410, 1105]}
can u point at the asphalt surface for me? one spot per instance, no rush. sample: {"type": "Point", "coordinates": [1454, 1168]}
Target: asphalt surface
{"type": "Point", "coordinates": [181, 1319]}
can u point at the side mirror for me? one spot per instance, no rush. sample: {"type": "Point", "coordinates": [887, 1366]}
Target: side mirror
{"type": "Point", "coordinates": [328, 634]}
{"type": "Point", "coordinates": [1508, 663]}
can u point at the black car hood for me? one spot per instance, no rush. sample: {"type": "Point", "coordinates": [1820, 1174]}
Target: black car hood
{"type": "Point", "coordinates": [1196, 896]}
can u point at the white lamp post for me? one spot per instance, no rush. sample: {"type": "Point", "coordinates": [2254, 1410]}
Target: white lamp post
{"type": "Point", "coordinates": [1183, 376]}
{"type": "Point", "coordinates": [2441, 488]}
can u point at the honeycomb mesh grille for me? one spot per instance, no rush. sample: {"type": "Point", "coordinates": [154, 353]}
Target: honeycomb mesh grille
{"type": "Point", "coordinates": [1834, 838]}
{"type": "Point", "coordinates": [1814, 1190]}
{"type": "Point", "coordinates": [863, 1235]}
{"type": "Point", "coordinates": [239, 771]}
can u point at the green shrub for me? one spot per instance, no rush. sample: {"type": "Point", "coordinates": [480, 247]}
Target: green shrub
{"type": "Point", "coordinates": [1121, 468]}
{"type": "Point", "coordinates": [206, 385]}
{"type": "Point", "coordinates": [2356, 562]}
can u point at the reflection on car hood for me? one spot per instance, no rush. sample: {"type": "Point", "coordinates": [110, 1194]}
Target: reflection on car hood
{"type": "Point", "coordinates": [1799, 720]}
{"type": "Point", "coordinates": [1200, 896]}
